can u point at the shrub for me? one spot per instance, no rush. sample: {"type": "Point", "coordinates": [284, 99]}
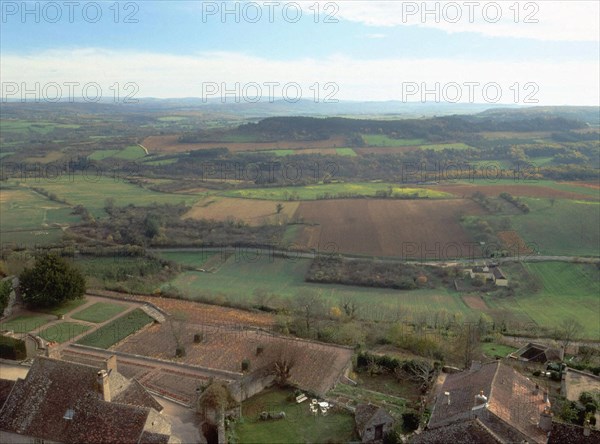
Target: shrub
{"type": "Point", "coordinates": [198, 337]}
{"type": "Point", "coordinates": [537, 373]}
{"type": "Point", "coordinates": [11, 348]}
{"type": "Point", "coordinates": [245, 365]}
{"type": "Point", "coordinates": [180, 352]}
{"type": "Point", "coordinates": [410, 420]}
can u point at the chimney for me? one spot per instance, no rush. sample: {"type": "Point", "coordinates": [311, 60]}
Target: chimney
{"type": "Point", "coordinates": [111, 364]}
{"type": "Point", "coordinates": [103, 386]}
{"type": "Point", "coordinates": [546, 420]}
{"type": "Point", "coordinates": [546, 398]}
{"type": "Point", "coordinates": [447, 394]}
{"type": "Point", "coordinates": [536, 390]}
{"type": "Point", "coordinates": [480, 399]}
{"type": "Point", "coordinates": [586, 428]}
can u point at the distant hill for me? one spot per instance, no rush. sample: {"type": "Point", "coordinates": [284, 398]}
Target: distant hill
{"type": "Point", "coordinates": [587, 114]}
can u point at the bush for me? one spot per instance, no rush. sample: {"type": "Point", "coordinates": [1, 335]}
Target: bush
{"type": "Point", "coordinates": [5, 289]}
{"type": "Point", "coordinates": [245, 365]}
{"type": "Point", "coordinates": [410, 421]}
{"type": "Point", "coordinates": [11, 348]}
{"type": "Point", "coordinates": [198, 337]}
{"type": "Point", "coordinates": [180, 352]}
{"type": "Point", "coordinates": [537, 373]}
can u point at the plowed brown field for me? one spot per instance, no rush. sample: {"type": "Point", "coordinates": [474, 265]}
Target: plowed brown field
{"type": "Point", "coordinates": [405, 228]}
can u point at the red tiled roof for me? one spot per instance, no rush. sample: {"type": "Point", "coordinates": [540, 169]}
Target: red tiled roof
{"type": "Point", "coordinates": [467, 432]}
{"type": "Point", "coordinates": [510, 396]}
{"type": "Point", "coordinates": [37, 405]}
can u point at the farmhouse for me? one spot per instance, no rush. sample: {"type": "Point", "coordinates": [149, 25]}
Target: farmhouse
{"type": "Point", "coordinates": [499, 278]}
{"type": "Point", "coordinates": [537, 353]}
{"type": "Point", "coordinates": [372, 423]}
{"type": "Point", "coordinates": [66, 402]}
{"type": "Point", "coordinates": [508, 404]}
{"type": "Point", "coordinates": [481, 272]}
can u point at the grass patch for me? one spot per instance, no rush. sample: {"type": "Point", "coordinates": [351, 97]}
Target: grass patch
{"type": "Point", "coordinates": [117, 330]}
{"type": "Point", "coordinates": [63, 331]}
{"type": "Point", "coordinates": [66, 307]}
{"type": "Point", "coordinates": [99, 312]}
{"type": "Point", "coordinates": [493, 349]}
{"type": "Point", "coordinates": [189, 259]}
{"type": "Point", "coordinates": [299, 425]}
{"type": "Point", "coordinates": [393, 404]}
{"type": "Point", "coordinates": [26, 323]}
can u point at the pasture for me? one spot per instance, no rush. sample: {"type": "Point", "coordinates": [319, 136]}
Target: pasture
{"type": "Point", "coordinates": [32, 126]}
{"type": "Point", "coordinates": [411, 229]}
{"type": "Point", "coordinates": [567, 291]}
{"type": "Point", "coordinates": [446, 146]}
{"type": "Point", "coordinates": [246, 272]}
{"type": "Point", "coordinates": [562, 227]}
{"type": "Point", "coordinates": [339, 189]}
{"type": "Point", "coordinates": [29, 218]}
{"type": "Point", "coordinates": [92, 191]}
{"type": "Point", "coordinates": [383, 140]}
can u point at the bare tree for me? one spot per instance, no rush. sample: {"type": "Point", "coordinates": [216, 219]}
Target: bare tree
{"type": "Point", "coordinates": [176, 324]}
{"type": "Point", "coordinates": [569, 330]}
{"type": "Point", "coordinates": [309, 305]}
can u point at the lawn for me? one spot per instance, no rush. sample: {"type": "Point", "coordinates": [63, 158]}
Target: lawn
{"type": "Point", "coordinates": [26, 126]}
{"type": "Point", "coordinates": [117, 330]}
{"type": "Point", "coordinates": [243, 274]}
{"type": "Point", "coordinates": [66, 307]}
{"type": "Point", "coordinates": [567, 291]}
{"type": "Point", "coordinates": [331, 190]}
{"type": "Point", "coordinates": [26, 323]}
{"type": "Point", "coordinates": [63, 331]}
{"type": "Point", "coordinates": [132, 152]}
{"type": "Point", "coordinates": [299, 425]}
{"type": "Point", "coordinates": [492, 349]}
{"type": "Point", "coordinates": [99, 312]}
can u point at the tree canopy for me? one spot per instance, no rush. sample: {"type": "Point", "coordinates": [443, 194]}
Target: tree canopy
{"type": "Point", "coordinates": [51, 282]}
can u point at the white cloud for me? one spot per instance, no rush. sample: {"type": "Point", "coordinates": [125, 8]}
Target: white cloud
{"type": "Point", "coordinates": [555, 20]}
{"type": "Point", "coordinates": [164, 75]}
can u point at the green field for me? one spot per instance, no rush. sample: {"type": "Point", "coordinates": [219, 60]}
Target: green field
{"type": "Point", "coordinates": [39, 127]}
{"type": "Point", "coordinates": [193, 259]}
{"type": "Point", "coordinates": [346, 152]}
{"type": "Point", "coordinates": [91, 192]}
{"type": "Point", "coordinates": [99, 312]}
{"type": "Point", "coordinates": [26, 323]}
{"type": "Point", "coordinates": [103, 154]}
{"type": "Point", "coordinates": [446, 146]}
{"type": "Point", "coordinates": [382, 140]}
{"type": "Point", "coordinates": [530, 182]}
{"type": "Point", "coordinates": [28, 218]}
{"type": "Point", "coordinates": [299, 425]}
{"type": "Point", "coordinates": [240, 276]}
{"type": "Point", "coordinates": [63, 331]}
{"type": "Point", "coordinates": [562, 227]}
{"type": "Point", "coordinates": [159, 162]}
{"type": "Point", "coordinates": [568, 291]}
{"type": "Point", "coordinates": [117, 330]}
{"type": "Point", "coordinates": [312, 192]}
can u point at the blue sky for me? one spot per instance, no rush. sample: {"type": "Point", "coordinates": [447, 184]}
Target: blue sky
{"type": "Point", "coordinates": [371, 51]}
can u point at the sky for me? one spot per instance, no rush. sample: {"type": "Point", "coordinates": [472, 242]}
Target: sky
{"type": "Point", "coordinates": [527, 53]}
